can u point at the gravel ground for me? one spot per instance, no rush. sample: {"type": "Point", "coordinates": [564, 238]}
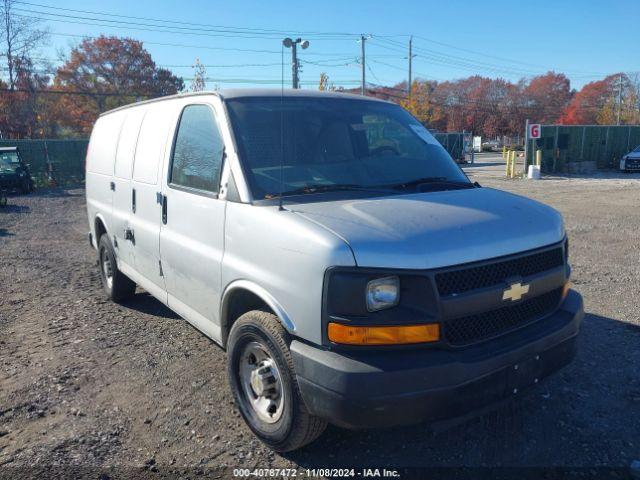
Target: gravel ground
{"type": "Point", "coordinates": [93, 386]}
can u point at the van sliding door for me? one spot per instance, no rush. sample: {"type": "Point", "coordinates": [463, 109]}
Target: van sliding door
{"type": "Point", "coordinates": [122, 204]}
{"type": "Point", "coordinates": [146, 220]}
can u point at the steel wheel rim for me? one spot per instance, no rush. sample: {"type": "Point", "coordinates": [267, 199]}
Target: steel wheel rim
{"type": "Point", "coordinates": [107, 268]}
{"type": "Point", "coordinates": [261, 382]}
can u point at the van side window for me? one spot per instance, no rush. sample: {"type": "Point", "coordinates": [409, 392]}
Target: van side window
{"type": "Point", "coordinates": [197, 154]}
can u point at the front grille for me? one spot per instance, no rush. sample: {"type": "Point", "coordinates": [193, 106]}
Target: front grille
{"type": "Point", "coordinates": [466, 279]}
{"type": "Point", "coordinates": [481, 326]}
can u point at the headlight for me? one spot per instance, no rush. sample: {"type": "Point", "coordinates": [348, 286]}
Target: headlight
{"type": "Point", "coordinates": [383, 293]}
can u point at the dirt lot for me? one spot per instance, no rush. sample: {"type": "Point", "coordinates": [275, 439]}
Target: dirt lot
{"type": "Point", "coordinates": [94, 385]}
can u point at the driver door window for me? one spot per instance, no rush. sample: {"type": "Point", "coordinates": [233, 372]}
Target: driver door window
{"type": "Point", "coordinates": [198, 150]}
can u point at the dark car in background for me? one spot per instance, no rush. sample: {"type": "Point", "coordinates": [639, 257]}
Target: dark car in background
{"type": "Point", "coordinates": [14, 173]}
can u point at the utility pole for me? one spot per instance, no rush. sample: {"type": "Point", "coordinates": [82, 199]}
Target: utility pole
{"type": "Point", "coordinates": [410, 59]}
{"type": "Point", "coordinates": [526, 145]}
{"type": "Point", "coordinates": [363, 86]}
{"type": "Point", "coordinates": [295, 67]}
{"type": "Point", "coordinates": [619, 100]}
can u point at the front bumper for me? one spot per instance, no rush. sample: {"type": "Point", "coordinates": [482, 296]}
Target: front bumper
{"type": "Point", "coordinates": [386, 388]}
{"type": "Point", "coordinates": [630, 164]}
{"type": "Point", "coordinates": [9, 181]}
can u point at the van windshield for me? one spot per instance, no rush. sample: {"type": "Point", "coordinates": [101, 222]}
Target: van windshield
{"type": "Point", "coordinates": [325, 144]}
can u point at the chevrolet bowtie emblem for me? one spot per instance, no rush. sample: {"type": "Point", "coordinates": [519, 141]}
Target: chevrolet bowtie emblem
{"type": "Point", "coordinates": [515, 292]}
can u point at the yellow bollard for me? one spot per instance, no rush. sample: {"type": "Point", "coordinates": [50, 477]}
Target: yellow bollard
{"type": "Point", "coordinates": [507, 156]}
{"type": "Point", "coordinates": [513, 164]}
{"type": "Point", "coordinates": [538, 157]}
{"type": "Point", "coordinates": [504, 152]}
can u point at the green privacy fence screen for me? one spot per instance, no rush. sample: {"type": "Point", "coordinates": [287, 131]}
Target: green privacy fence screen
{"type": "Point", "coordinates": [452, 142]}
{"type": "Point", "coordinates": [583, 147]}
{"type": "Point", "coordinates": [62, 159]}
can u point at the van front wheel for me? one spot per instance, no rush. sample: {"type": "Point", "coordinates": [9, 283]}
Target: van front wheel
{"type": "Point", "coordinates": [264, 385]}
{"type": "Point", "coordinates": [116, 284]}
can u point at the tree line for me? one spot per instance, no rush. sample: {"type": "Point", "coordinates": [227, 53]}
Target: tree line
{"type": "Point", "coordinates": [493, 107]}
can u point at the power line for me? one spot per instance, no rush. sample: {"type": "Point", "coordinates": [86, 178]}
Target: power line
{"type": "Point", "coordinates": [208, 47]}
{"type": "Point", "coordinates": [509, 60]}
{"type": "Point", "coordinates": [210, 26]}
{"type": "Point", "coordinates": [457, 61]}
{"type": "Point", "coordinates": [431, 56]}
{"type": "Point", "coordinates": [155, 27]}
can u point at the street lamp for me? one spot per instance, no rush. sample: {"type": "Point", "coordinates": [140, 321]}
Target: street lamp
{"type": "Point", "coordinates": [293, 45]}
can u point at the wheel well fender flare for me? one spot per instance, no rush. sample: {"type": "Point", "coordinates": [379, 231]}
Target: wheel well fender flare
{"type": "Point", "coordinates": [262, 294]}
{"type": "Point", "coordinates": [99, 219]}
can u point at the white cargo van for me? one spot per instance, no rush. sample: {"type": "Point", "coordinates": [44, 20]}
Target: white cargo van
{"type": "Point", "coordinates": [332, 246]}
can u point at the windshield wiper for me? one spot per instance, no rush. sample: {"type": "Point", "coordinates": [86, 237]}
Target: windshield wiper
{"type": "Point", "coordinates": [320, 188]}
{"type": "Point", "coordinates": [418, 182]}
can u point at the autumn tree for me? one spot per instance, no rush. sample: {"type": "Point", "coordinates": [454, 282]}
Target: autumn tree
{"type": "Point", "coordinates": [325, 83]}
{"type": "Point", "coordinates": [421, 103]}
{"type": "Point", "coordinates": [593, 104]}
{"type": "Point", "coordinates": [28, 101]}
{"type": "Point", "coordinates": [547, 96]}
{"type": "Point", "coordinates": [105, 73]}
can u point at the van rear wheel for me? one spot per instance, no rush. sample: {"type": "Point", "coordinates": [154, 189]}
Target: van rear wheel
{"type": "Point", "coordinates": [116, 284]}
{"type": "Point", "coordinates": [264, 385]}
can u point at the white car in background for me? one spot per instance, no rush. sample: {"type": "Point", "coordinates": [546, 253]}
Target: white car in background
{"type": "Point", "coordinates": [631, 161]}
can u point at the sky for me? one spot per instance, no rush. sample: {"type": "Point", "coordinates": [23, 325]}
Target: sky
{"type": "Point", "coordinates": [240, 41]}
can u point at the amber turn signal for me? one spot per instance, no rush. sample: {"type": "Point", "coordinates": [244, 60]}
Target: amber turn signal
{"type": "Point", "coordinates": [357, 335]}
{"type": "Point", "coordinates": [565, 289]}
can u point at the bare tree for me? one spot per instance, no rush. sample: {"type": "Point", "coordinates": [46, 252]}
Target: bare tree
{"type": "Point", "coordinates": [199, 82]}
{"type": "Point", "coordinates": [19, 37]}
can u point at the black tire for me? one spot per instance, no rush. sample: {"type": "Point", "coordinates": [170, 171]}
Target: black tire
{"type": "Point", "coordinates": [118, 287]}
{"type": "Point", "coordinates": [295, 426]}
{"type": "Point", "coordinates": [26, 187]}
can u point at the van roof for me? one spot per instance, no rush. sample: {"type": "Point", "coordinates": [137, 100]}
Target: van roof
{"type": "Point", "coordinates": [253, 92]}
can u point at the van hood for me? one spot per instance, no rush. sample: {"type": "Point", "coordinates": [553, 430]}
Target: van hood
{"type": "Point", "coordinates": [437, 229]}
